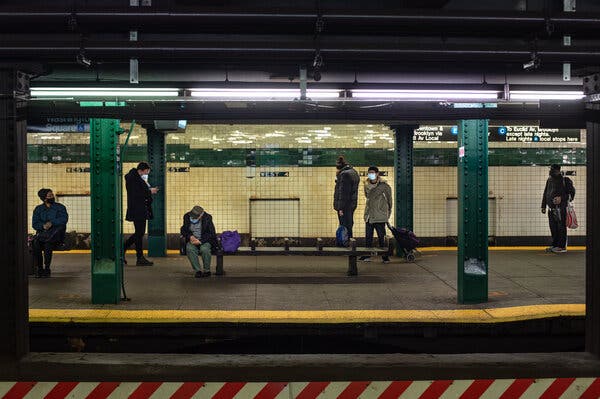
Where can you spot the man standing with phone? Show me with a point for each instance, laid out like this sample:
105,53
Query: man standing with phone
139,208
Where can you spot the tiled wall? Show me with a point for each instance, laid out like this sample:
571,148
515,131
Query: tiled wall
273,162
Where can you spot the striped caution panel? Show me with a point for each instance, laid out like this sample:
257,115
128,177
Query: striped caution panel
548,388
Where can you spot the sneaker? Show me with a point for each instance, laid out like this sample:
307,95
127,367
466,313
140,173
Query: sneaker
385,259
205,274
39,273
558,250
47,272
365,258
549,249
198,275
143,262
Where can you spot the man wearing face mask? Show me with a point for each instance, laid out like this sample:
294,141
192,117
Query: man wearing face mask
201,238
558,192
377,210
345,196
50,223
139,208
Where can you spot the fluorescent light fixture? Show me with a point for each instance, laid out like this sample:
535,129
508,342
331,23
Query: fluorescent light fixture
545,95
59,92
426,95
262,94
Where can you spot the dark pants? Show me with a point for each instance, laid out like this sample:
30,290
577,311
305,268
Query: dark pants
347,220
380,227
140,230
558,228
42,247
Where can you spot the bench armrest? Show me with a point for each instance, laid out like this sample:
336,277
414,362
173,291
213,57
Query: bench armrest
319,244
352,242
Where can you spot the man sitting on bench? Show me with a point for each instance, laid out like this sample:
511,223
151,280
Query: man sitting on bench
200,236
50,223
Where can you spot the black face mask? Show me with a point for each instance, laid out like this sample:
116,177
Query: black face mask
50,200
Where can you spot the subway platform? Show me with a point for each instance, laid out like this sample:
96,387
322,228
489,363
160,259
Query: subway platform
273,304
517,277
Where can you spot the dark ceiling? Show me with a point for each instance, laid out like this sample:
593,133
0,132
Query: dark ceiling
277,37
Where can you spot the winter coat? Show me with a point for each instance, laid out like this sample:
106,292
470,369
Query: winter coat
208,230
379,201
55,214
345,195
558,187
139,197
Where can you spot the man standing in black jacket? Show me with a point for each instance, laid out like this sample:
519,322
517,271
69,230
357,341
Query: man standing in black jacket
558,192
345,197
139,208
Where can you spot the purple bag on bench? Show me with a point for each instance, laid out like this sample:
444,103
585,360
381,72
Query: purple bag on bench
230,241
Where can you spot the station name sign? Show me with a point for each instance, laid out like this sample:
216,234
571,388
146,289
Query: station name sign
512,133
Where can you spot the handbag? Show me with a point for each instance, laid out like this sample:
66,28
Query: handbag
52,235
230,241
571,217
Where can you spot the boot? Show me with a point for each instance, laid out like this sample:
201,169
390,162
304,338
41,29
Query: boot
143,262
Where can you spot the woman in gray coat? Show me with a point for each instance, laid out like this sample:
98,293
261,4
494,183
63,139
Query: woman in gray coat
377,210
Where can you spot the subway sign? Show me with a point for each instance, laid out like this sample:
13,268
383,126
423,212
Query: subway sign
509,133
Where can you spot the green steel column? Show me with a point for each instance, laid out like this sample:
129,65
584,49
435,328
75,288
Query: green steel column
403,168
473,211
157,158
106,211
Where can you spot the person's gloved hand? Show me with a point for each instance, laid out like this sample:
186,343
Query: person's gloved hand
543,210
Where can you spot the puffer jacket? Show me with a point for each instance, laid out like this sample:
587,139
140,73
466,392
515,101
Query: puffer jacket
379,201
345,195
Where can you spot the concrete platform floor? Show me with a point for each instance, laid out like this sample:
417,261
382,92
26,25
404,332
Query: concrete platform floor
319,283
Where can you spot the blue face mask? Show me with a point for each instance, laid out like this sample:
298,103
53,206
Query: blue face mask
372,176
194,221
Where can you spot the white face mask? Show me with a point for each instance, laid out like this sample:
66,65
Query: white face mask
145,177
372,176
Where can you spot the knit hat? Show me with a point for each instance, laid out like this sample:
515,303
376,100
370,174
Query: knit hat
555,166
43,192
196,212
374,169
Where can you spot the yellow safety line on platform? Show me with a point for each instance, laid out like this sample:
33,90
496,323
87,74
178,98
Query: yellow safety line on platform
497,315
423,249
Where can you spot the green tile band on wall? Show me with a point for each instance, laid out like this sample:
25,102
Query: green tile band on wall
239,157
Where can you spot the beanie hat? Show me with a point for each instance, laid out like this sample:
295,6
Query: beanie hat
43,192
196,212
374,169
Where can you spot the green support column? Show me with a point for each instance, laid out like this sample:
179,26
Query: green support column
403,168
157,158
473,211
106,200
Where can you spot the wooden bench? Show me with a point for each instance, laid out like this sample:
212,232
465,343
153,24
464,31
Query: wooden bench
352,252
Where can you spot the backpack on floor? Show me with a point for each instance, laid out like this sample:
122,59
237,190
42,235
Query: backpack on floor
341,236
230,241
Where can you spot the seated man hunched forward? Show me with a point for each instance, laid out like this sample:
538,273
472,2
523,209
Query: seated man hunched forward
201,239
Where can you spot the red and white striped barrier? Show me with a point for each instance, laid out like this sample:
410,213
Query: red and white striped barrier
547,388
